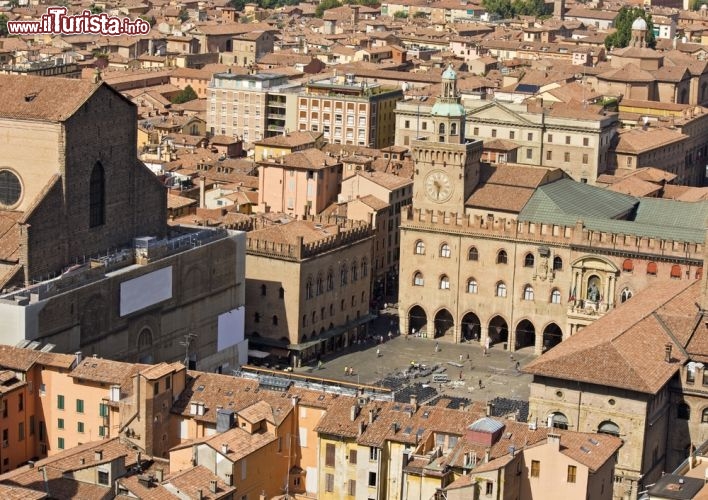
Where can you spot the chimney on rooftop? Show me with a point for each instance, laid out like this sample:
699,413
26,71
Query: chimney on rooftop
414,402
668,348
212,485
490,407
554,439
98,455
79,357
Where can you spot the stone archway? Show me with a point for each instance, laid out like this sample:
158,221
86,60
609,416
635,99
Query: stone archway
552,336
525,335
470,327
417,321
498,330
444,324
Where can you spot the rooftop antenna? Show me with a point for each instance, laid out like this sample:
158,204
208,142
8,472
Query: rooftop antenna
187,342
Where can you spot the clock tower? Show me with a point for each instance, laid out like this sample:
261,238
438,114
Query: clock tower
446,164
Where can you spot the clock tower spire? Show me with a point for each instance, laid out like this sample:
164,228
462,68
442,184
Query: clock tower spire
446,163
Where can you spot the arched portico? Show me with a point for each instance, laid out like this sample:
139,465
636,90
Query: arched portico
552,336
524,335
417,321
444,325
498,330
470,327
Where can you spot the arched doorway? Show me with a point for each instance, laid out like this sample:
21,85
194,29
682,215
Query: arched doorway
498,330
470,327
552,336
525,334
417,320
444,323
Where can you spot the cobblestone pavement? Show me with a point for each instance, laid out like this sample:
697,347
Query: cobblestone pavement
465,364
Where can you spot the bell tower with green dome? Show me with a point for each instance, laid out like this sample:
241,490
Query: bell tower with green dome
446,163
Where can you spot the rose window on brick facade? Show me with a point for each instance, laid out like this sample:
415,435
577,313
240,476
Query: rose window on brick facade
10,188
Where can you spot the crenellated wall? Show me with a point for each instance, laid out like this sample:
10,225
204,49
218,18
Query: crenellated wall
576,235
347,232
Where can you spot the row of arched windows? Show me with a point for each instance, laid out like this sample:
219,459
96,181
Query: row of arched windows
473,287
323,310
473,255
320,284
683,412
560,421
264,291
273,319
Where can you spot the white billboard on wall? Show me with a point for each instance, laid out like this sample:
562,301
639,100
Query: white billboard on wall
231,327
145,291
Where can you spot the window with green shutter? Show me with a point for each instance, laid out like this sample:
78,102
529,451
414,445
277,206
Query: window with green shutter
79,406
60,402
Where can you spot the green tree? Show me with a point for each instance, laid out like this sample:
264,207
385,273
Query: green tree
325,5
419,14
3,25
95,9
149,19
238,4
183,16
507,9
502,8
188,94
623,25
399,14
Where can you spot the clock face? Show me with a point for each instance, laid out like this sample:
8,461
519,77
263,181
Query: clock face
438,186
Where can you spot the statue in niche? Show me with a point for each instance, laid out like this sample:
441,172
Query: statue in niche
542,270
593,293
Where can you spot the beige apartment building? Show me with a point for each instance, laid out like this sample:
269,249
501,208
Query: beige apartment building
349,111
310,283
248,48
301,183
575,139
370,194
251,107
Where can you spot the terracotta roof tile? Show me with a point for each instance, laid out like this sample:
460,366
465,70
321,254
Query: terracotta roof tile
39,98
16,493
240,443
191,481
105,370
637,140
625,348
291,139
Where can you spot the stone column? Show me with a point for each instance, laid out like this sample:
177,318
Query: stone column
402,322
483,335
430,328
613,291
